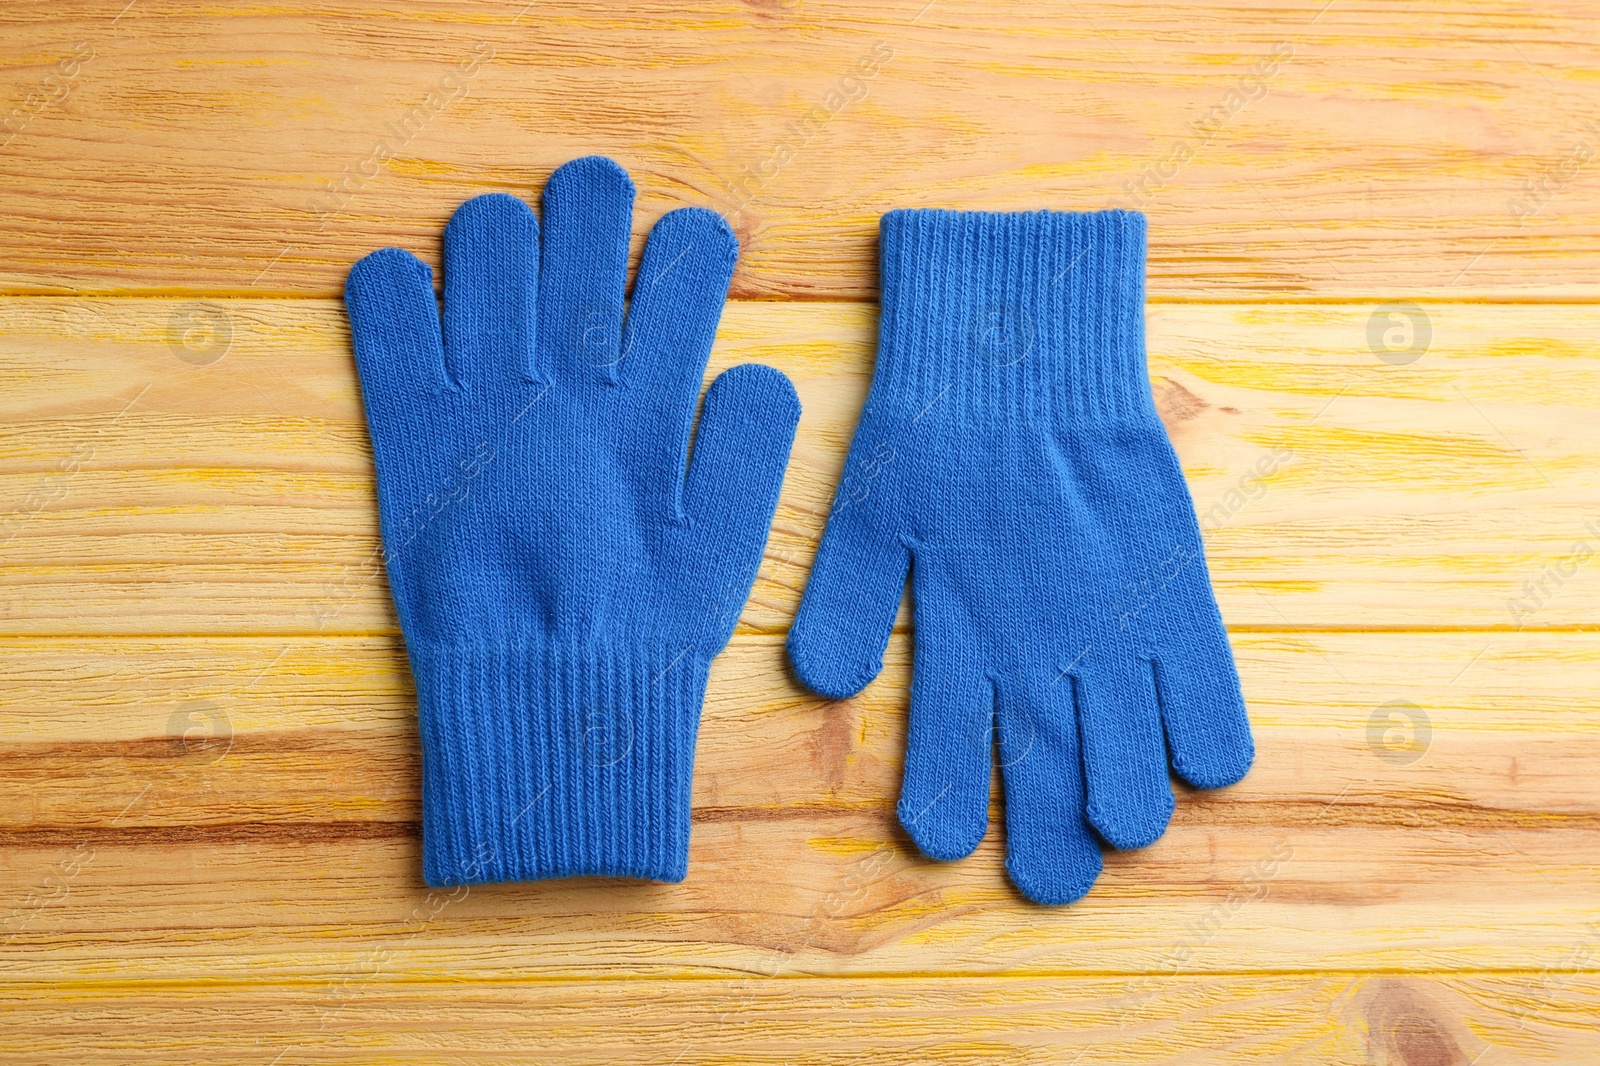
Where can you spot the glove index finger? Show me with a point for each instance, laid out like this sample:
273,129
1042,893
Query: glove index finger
394,328
736,471
842,628
944,799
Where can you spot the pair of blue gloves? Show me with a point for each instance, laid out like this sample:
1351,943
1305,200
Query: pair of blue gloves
565,566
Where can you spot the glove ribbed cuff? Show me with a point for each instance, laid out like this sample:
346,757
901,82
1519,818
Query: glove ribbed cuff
541,761
1031,312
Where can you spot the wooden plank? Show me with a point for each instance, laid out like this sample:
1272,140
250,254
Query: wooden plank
262,730
226,808
1280,146
1333,1020
141,493
247,905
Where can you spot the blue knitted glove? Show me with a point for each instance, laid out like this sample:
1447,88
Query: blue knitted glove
563,570
1010,455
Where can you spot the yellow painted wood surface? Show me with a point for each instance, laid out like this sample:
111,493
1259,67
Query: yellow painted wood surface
208,767
1419,495
1282,146
1335,1019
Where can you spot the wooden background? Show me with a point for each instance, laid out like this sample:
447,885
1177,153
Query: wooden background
1379,261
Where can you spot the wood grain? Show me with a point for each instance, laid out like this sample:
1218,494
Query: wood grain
1408,807
1336,1020
145,495
1381,149
1372,324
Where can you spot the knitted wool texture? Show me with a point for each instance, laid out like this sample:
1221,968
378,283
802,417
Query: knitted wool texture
1010,456
563,569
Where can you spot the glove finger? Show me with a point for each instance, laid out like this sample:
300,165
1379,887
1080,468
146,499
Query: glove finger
944,801
677,300
740,453
678,296
491,289
394,327
1051,852
1202,706
837,640
1124,753
588,216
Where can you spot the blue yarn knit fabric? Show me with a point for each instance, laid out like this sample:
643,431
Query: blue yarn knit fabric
1010,457
563,569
